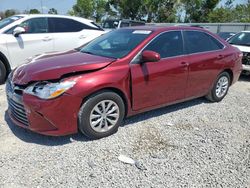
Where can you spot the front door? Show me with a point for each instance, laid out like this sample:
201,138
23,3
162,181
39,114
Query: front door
35,41
157,83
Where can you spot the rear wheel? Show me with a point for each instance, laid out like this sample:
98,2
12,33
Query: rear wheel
2,72
101,115
220,88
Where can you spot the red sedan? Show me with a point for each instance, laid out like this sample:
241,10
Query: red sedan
120,74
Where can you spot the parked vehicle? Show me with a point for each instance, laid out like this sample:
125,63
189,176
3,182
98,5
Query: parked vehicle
119,74
226,35
23,36
242,41
111,24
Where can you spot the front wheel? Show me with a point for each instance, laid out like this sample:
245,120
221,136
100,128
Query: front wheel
101,115
220,88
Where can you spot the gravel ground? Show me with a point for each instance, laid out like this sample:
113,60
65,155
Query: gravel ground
192,144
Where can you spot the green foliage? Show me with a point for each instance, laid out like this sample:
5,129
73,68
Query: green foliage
167,12
158,10
99,9
221,15
52,11
90,9
151,10
198,10
83,8
34,11
228,13
10,12
242,13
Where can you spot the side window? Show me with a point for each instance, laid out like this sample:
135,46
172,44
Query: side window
197,41
10,31
124,24
168,44
61,25
35,25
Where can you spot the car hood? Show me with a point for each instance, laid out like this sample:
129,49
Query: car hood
243,48
55,65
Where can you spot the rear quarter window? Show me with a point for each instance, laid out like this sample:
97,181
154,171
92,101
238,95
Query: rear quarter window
198,41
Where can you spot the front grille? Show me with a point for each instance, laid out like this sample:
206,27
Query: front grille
246,58
15,103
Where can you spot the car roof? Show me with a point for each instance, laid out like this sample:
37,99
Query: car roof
164,28
55,16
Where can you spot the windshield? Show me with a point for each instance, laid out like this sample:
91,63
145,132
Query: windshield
116,44
8,21
242,38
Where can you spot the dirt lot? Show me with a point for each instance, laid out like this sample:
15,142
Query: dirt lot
193,144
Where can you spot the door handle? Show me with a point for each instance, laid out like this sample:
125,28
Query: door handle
185,64
82,37
220,56
47,39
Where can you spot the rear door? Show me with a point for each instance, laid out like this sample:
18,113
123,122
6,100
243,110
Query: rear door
35,41
206,59
157,83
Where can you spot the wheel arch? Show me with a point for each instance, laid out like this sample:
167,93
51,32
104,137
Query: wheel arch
230,72
6,63
115,90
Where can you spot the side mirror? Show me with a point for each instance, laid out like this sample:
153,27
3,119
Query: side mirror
18,30
150,56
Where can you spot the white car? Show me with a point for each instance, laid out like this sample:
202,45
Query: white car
242,41
24,36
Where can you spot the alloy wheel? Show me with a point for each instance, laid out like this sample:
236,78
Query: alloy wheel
104,116
222,86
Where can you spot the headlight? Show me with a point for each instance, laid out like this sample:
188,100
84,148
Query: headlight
48,90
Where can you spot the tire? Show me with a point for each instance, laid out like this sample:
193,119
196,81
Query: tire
93,122
3,73
220,88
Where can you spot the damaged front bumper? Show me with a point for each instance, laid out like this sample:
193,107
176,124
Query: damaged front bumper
49,117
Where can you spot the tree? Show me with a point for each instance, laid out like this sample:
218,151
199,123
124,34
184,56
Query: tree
242,12
99,9
90,9
129,9
71,12
229,13
2,15
83,8
198,10
34,11
151,10
220,15
10,12
167,12
52,11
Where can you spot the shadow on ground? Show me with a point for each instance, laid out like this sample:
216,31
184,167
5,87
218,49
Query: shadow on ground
31,137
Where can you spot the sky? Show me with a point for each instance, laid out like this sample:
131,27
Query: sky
62,6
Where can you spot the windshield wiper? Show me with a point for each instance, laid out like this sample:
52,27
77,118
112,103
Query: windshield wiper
87,52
